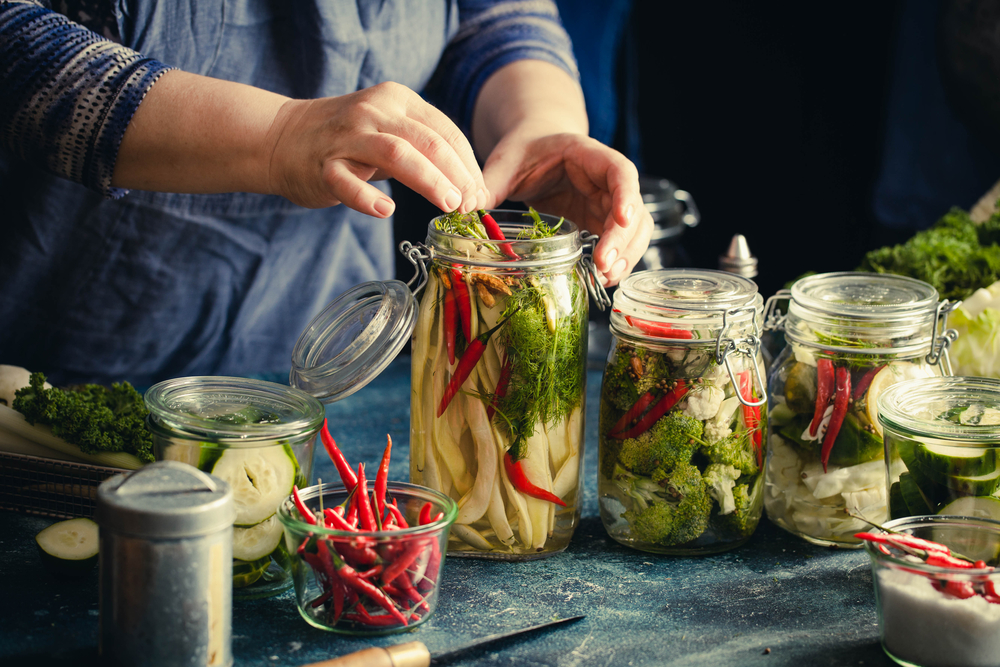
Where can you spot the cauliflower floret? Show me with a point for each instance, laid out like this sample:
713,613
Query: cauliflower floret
720,480
718,427
704,403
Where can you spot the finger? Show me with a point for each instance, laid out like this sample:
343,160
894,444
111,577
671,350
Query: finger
396,157
348,182
499,173
624,245
437,121
445,156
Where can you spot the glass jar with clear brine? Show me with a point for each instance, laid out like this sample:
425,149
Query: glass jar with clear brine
682,414
498,380
258,437
849,336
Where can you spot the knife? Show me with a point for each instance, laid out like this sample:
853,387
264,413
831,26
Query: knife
415,654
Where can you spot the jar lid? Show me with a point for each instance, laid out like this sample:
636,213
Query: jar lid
879,312
961,410
355,337
219,408
165,499
685,300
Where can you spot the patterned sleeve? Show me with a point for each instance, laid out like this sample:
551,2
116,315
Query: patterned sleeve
491,34
67,94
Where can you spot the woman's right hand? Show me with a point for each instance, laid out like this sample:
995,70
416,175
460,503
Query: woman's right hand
326,150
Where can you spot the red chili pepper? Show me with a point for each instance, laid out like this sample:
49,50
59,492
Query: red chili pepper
660,408
904,540
365,517
411,593
496,234
306,513
520,481
335,521
396,513
947,560
424,517
380,620
990,591
352,508
633,413
382,479
864,381
658,329
840,402
431,571
351,578
450,323
462,301
751,414
374,571
824,390
473,353
403,561
962,590
502,385
343,467
358,555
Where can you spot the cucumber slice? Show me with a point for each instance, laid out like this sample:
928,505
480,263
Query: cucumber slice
897,507
950,461
246,573
856,443
980,485
257,541
69,547
982,508
916,502
261,478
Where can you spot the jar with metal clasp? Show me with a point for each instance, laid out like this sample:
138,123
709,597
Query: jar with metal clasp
683,411
848,337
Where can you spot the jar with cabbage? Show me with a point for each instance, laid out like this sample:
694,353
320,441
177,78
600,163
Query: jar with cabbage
849,336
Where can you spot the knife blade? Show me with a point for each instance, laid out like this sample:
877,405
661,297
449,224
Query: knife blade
416,654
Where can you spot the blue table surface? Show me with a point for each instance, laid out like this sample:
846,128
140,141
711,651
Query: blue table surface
774,601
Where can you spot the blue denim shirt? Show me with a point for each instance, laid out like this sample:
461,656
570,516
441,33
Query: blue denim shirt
152,285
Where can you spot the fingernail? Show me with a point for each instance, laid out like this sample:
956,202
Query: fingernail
619,267
469,205
480,198
385,207
610,258
453,200
628,214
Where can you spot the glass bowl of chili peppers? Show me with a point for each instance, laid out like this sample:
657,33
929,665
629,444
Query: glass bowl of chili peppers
937,589
366,562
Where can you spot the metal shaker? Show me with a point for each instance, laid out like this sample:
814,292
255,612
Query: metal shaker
166,540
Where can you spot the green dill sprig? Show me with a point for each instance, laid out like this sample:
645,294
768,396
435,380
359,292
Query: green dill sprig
539,230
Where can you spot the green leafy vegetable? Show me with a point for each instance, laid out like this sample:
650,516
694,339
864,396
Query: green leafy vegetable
977,350
93,417
956,256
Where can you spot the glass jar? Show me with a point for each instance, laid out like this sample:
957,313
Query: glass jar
848,337
942,446
498,385
682,413
258,437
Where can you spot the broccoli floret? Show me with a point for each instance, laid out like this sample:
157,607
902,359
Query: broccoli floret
675,514
671,441
742,521
720,480
93,417
734,450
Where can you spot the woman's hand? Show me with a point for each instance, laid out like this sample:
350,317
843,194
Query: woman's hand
577,177
196,134
326,151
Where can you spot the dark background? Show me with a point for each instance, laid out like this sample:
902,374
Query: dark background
770,114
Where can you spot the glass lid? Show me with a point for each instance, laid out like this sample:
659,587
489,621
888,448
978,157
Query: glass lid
353,339
962,410
219,408
877,296
684,300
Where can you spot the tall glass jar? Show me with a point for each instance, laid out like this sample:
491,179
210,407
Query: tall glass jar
257,436
848,337
498,385
682,413
942,446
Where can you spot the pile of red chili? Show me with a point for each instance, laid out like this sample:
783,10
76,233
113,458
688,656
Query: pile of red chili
938,555
366,580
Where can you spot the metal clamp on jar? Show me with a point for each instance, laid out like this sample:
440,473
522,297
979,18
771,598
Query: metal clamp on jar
849,336
681,425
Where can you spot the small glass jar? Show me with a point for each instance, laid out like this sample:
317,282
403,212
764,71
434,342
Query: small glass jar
848,337
258,437
942,446
682,413
498,385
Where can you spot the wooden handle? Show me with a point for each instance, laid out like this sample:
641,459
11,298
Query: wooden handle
411,654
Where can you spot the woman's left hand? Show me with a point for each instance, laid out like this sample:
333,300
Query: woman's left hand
572,175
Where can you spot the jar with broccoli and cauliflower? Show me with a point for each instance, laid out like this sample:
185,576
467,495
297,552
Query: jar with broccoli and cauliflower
849,337
683,413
